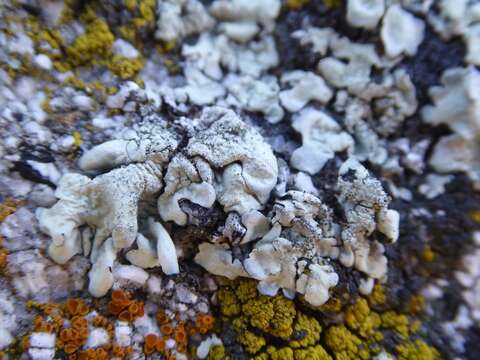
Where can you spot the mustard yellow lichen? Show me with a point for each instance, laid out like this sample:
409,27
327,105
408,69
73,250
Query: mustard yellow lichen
77,138
397,322
271,315
333,305
307,329
252,343
475,215
377,297
125,68
229,304
280,354
262,356
416,304
296,4
417,350
217,353
246,290
259,312
362,321
311,353
262,323
330,4
428,255
345,345
95,43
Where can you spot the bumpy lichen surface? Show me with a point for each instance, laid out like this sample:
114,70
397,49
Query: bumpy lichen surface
282,144
75,323
357,333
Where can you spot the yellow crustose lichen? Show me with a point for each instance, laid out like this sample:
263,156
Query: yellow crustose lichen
356,335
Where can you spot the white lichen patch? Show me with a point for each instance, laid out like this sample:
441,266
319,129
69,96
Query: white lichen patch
365,13
262,96
322,137
295,254
180,18
401,31
225,160
305,87
457,105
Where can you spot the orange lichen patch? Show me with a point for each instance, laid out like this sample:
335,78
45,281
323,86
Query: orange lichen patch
51,309
114,309
100,321
181,334
191,329
8,207
120,352
57,321
124,307
205,323
166,329
93,354
150,342
162,317
76,307
3,256
153,343
125,316
72,338
117,351
120,296
43,326
128,351
66,335
37,322
160,345
70,348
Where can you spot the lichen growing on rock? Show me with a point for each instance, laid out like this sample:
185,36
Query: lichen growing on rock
169,145
359,331
227,161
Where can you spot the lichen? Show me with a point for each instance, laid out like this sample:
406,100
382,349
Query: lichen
125,68
378,296
296,4
280,354
7,207
307,330
345,345
271,315
417,350
95,43
217,353
358,333
251,342
397,322
229,303
316,352
362,321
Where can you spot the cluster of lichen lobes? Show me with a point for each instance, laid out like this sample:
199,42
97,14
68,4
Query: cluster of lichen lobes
278,328
257,318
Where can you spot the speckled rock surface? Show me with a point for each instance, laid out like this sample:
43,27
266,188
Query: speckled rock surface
233,179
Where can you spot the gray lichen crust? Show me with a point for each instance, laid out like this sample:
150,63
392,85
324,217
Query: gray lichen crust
214,158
